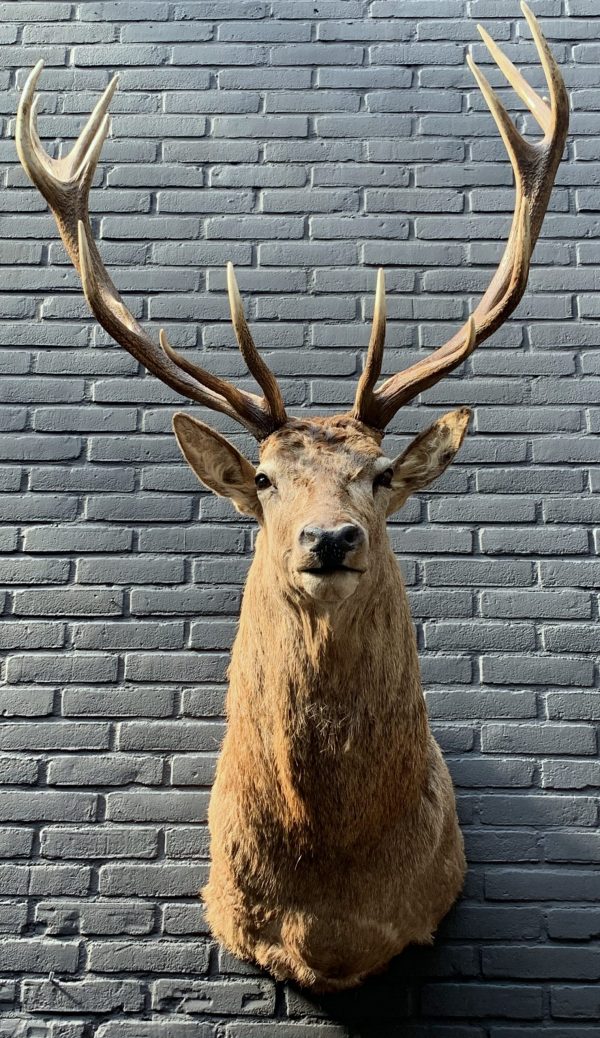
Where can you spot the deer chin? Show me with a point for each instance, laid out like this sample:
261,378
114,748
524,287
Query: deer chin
330,586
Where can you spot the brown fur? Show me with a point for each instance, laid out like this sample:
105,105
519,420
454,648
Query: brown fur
334,835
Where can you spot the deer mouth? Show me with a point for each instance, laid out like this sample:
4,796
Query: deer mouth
325,571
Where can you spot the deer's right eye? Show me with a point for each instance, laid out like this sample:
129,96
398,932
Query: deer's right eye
262,482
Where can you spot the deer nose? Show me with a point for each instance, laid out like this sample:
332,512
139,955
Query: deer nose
331,546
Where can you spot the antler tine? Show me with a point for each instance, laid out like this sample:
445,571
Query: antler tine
34,160
559,100
254,362
534,166
538,108
65,184
91,128
372,368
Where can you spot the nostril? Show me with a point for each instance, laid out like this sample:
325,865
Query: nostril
311,536
349,536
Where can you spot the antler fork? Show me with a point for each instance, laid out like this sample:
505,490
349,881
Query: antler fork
65,184
534,166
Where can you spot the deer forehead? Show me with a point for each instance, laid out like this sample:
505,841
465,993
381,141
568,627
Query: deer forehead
339,447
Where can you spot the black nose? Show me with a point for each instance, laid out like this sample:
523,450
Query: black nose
332,546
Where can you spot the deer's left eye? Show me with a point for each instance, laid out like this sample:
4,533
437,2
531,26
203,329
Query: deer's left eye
262,482
384,479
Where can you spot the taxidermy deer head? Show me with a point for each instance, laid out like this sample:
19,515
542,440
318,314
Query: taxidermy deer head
334,834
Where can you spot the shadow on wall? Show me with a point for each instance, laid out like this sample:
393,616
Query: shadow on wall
392,1004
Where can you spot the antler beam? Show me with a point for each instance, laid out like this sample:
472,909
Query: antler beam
534,166
65,184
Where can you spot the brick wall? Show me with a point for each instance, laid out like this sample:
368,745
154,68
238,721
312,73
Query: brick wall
308,142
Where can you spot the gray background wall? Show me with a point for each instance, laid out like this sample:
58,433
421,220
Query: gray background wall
309,142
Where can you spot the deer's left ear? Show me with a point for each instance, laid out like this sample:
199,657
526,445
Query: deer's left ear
427,456
217,463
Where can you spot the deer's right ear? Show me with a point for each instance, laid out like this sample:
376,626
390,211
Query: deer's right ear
217,463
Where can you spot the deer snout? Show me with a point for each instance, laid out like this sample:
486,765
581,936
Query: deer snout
331,546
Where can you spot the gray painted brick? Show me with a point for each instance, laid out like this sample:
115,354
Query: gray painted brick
186,843
46,805
158,957
25,955
15,843
107,770
168,1028
569,774
553,884
61,668
538,810
165,806
116,702
490,704
573,922
241,997
538,738
538,670
90,996
181,919
537,604
61,917
18,770
67,602
308,142
99,842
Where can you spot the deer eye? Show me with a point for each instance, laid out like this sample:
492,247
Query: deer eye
262,482
384,479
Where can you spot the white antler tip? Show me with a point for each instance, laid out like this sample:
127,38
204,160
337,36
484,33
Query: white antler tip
490,43
35,71
232,286
31,81
111,88
471,61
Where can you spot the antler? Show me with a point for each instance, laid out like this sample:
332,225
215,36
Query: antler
65,184
534,166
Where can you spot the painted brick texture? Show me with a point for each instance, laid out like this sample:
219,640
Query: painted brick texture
309,142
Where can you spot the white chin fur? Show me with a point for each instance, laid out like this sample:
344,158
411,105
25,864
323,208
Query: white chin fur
330,587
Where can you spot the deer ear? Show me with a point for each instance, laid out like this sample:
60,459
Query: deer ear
428,456
217,463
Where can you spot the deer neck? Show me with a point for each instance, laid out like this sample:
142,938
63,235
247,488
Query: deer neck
328,704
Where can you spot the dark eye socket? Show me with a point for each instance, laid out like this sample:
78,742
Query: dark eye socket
262,482
384,479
